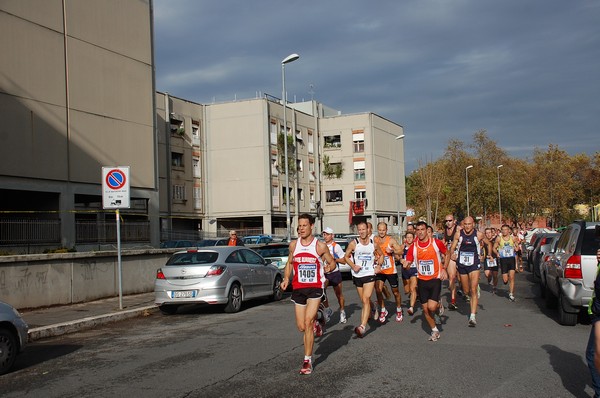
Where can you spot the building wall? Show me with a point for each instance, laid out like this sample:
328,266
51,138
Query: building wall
76,94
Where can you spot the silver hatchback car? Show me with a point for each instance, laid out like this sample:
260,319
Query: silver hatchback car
13,336
225,275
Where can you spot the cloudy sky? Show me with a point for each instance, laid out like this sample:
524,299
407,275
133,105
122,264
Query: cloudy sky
528,72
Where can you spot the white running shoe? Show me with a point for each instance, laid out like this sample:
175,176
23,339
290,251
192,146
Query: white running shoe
435,336
343,316
472,321
511,297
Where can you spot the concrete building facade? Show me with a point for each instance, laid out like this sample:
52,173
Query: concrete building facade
76,94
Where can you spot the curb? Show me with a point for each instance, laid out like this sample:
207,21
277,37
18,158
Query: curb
87,323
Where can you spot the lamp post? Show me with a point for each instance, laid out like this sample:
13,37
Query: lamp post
467,183
286,60
499,201
399,183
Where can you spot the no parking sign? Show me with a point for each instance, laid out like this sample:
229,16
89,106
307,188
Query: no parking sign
115,187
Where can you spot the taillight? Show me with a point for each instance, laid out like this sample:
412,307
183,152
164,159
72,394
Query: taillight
160,275
543,242
216,270
546,258
573,268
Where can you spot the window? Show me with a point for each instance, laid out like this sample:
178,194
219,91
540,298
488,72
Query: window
197,198
311,143
251,257
275,195
333,141
299,136
274,165
176,159
285,195
311,170
273,133
359,170
360,194
299,167
334,196
300,195
179,192
358,141
196,167
313,203
195,129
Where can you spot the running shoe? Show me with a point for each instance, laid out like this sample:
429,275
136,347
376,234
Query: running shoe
318,329
328,314
478,291
342,316
494,290
435,336
472,321
411,311
399,316
360,331
511,297
383,315
306,368
452,306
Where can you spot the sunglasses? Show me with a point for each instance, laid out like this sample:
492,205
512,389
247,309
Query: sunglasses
448,220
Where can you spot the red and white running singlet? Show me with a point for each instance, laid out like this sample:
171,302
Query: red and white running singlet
308,267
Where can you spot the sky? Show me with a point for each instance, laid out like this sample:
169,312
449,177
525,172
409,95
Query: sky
527,72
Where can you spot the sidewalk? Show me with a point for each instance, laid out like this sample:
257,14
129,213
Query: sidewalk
54,321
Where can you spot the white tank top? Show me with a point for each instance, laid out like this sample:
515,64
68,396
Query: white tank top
364,255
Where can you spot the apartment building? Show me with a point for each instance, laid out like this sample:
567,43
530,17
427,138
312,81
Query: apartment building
76,94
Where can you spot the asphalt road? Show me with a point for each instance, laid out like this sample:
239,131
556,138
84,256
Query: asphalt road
517,350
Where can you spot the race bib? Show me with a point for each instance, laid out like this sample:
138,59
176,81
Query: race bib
467,258
307,273
426,267
365,261
387,263
491,263
507,251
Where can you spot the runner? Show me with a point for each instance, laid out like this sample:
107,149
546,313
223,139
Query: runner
334,278
518,240
490,266
505,249
450,229
468,242
308,284
431,271
409,274
361,255
389,247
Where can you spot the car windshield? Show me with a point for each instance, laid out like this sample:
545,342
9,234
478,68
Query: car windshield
193,258
250,240
274,251
591,241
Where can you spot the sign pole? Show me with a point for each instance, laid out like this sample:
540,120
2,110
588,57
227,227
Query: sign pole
120,268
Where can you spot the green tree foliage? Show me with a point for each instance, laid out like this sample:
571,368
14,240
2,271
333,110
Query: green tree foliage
291,154
548,185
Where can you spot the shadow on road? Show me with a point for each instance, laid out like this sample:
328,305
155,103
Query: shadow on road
570,368
38,353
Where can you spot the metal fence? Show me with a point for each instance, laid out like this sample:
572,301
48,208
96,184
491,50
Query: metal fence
106,231
28,231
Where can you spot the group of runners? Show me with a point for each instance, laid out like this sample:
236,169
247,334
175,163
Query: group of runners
423,261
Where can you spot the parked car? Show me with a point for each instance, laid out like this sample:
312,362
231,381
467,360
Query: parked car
13,336
542,246
278,253
544,263
225,275
257,239
344,268
177,243
571,270
213,242
533,239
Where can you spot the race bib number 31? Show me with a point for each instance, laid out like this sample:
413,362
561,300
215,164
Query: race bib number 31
467,258
307,273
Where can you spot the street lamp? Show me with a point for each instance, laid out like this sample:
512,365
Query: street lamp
499,201
399,183
467,181
286,60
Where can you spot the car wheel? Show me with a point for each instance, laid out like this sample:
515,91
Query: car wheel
168,309
8,350
234,299
550,299
277,293
565,318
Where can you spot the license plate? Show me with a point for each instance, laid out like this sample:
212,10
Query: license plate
183,294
